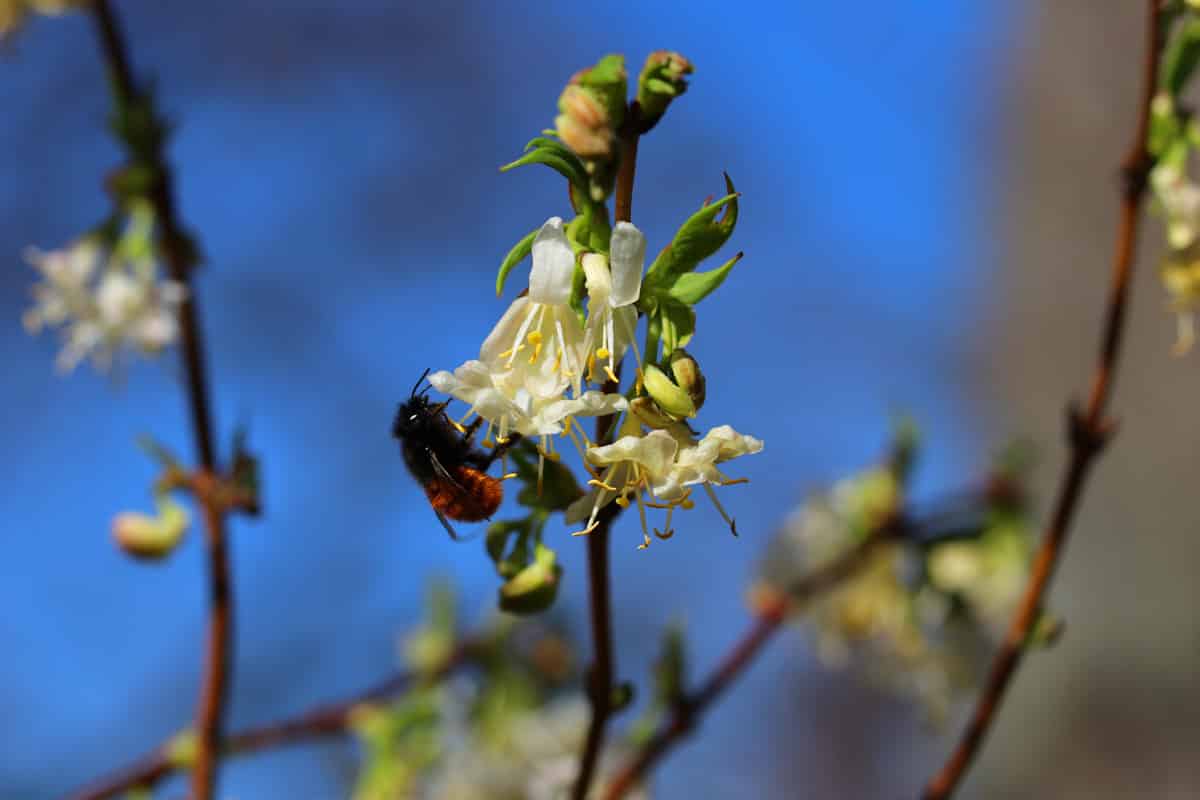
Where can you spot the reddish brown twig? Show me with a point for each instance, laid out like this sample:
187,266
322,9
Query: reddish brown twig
1088,432
179,257
323,720
772,609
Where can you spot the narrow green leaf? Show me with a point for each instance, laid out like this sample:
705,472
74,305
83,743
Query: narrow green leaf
698,238
678,324
515,256
567,165
692,287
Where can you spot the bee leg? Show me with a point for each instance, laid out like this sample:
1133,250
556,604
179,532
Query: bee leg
469,431
499,450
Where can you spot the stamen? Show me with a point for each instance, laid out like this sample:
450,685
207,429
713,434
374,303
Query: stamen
520,337
591,527
601,484
733,481
622,501
457,426
508,476
612,376
642,515
632,334
721,509
601,352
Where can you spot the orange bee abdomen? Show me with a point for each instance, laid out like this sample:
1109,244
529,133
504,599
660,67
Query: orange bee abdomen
476,497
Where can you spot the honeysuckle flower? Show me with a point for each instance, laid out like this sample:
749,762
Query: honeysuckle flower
658,469
614,285
103,300
533,357
1180,274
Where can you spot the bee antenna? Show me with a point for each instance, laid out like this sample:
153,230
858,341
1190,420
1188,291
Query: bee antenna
420,380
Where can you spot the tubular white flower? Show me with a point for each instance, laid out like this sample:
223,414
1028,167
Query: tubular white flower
533,356
657,469
613,284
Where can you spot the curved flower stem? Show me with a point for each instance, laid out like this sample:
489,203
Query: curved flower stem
1088,432
600,676
325,720
179,256
772,610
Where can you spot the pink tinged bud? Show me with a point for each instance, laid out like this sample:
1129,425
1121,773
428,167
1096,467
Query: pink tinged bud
584,142
579,104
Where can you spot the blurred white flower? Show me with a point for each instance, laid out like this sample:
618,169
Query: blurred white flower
104,301
1180,199
538,759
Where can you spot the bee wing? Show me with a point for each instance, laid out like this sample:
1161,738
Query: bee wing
444,474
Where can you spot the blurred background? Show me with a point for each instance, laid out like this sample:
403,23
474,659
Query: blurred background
929,203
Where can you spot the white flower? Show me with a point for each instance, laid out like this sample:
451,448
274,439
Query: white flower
533,356
104,301
614,285
1180,198
657,468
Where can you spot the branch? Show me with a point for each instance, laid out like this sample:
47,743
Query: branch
325,720
1088,432
771,612
179,255
600,676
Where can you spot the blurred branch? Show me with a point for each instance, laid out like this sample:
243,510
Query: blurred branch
772,609
600,676
1088,432
180,256
325,720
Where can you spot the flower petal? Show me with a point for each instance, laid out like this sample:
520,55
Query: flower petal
655,452
553,265
627,249
599,280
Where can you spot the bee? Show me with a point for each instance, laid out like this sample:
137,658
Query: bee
445,461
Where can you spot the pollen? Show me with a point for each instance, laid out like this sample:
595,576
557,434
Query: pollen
623,501
534,338
602,352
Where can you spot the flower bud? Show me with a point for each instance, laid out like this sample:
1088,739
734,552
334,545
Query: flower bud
661,81
670,398
151,537
534,588
650,415
591,109
688,376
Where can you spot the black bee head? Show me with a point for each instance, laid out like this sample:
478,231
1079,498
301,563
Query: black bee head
417,414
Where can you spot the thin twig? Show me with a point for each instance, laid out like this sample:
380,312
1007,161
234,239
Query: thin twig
600,676
1088,432
772,610
328,719
179,257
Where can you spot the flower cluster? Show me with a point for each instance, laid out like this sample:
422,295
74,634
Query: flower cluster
922,609
105,298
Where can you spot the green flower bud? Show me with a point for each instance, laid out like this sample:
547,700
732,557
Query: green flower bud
688,376
661,81
650,415
670,398
534,588
180,749
151,537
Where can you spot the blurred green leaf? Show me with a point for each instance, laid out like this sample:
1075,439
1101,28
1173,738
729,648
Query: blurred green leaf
568,165
698,238
1180,57
692,287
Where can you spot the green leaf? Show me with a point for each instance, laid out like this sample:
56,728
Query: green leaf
509,561
1181,56
697,239
562,161
515,256
692,287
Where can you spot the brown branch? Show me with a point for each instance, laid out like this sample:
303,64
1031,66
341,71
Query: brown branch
1088,432
179,255
325,720
600,676
772,610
